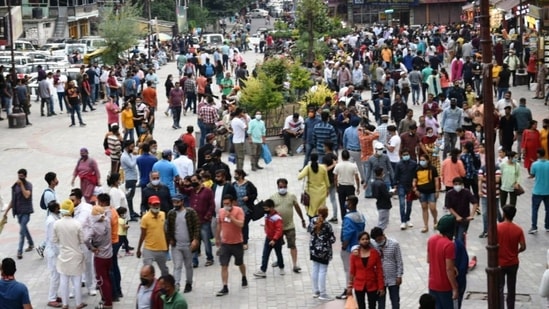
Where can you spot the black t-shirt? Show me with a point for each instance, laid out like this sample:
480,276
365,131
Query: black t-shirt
328,160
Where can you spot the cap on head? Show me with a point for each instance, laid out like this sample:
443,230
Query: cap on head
446,224
153,200
177,197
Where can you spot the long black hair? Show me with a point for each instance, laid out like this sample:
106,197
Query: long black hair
314,162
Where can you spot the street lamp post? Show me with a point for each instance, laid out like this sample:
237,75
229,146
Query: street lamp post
17,118
149,31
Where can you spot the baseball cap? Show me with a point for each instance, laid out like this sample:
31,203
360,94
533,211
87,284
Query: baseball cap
178,197
153,200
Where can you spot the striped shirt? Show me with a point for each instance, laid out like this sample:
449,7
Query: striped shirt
391,258
323,131
483,187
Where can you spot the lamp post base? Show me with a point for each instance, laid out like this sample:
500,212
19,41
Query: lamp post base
17,120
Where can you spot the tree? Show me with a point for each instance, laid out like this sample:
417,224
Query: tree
261,94
312,18
119,27
199,16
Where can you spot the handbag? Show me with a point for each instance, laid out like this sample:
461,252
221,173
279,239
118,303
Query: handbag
411,196
257,211
351,303
519,190
305,197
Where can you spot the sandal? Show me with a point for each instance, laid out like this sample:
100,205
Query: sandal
424,230
54,304
82,305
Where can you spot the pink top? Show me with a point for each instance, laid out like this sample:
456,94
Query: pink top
450,170
112,112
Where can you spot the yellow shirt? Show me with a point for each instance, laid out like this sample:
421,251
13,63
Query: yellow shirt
122,229
155,237
208,183
495,70
543,135
126,118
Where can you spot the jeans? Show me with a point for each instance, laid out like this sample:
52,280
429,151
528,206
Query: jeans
484,207
102,269
267,248
61,99
205,235
343,191
160,257
7,104
361,299
201,126
461,229
536,202
519,143
394,295
128,134
182,255
443,300
176,115
115,271
130,192
345,255
511,273
383,218
502,91
76,109
308,150
450,140
86,102
318,278
415,93
23,220
48,104
93,94
240,151
478,84
405,206
191,101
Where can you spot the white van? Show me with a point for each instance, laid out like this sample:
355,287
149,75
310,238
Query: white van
18,60
24,46
93,42
209,42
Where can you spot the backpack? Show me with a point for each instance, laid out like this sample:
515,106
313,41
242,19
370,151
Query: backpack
209,71
42,201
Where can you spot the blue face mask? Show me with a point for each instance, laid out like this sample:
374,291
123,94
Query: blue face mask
515,160
406,157
423,163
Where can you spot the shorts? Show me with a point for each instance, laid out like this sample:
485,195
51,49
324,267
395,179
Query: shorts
290,238
427,197
228,250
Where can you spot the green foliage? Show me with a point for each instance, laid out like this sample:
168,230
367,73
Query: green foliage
120,30
300,77
277,69
280,25
163,10
311,18
261,94
315,98
301,47
199,15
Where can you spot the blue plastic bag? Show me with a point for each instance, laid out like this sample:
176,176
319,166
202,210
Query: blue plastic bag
266,154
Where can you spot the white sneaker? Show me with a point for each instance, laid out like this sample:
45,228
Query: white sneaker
325,297
92,292
260,274
403,226
409,224
281,272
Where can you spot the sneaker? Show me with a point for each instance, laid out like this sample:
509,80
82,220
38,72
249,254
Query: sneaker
297,269
260,274
342,295
224,291
274,264
403,226
29,249
244,282
409,224
333,220
532,231
92,292
40,251
188,288
282,273
316,294
129,253
325,297
483,235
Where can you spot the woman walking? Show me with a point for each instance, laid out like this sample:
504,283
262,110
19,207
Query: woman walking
317,185
451,168
530,144
510,177
471,163
366,273
320,248
246,193
88,172
426,185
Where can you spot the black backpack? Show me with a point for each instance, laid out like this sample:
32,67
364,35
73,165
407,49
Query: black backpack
42,202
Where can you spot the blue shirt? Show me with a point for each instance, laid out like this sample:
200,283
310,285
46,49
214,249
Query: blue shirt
145,164
322,132
540,170
13,294
257,130
310,124
129,165
350,139
168,171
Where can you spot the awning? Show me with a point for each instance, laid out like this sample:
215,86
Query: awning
84,16
468,6
507,5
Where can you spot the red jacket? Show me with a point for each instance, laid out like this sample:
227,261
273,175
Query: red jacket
273,226
369,278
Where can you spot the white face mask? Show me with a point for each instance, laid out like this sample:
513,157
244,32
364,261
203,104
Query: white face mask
379,152
429,134
458,188
214,143
258,117
282,191
155,210
155,182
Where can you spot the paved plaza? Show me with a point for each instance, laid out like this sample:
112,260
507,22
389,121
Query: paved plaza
50,145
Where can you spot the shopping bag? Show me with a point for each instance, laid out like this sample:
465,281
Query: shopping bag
266,154
350,303
3,222
232,158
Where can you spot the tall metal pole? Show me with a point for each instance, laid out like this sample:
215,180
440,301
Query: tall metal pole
13,75
149,31
492,269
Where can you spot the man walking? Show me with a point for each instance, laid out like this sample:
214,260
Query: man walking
229,240
153,236
511,243
523,116
405,171
353,224
285,203
540,191
393,268
451,120
21,203
457,201
239,126
346,176
183,234
256,131
322,132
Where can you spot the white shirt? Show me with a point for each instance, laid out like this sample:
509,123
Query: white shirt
184,166
239,130
104,76
394,141
61,83
82,213
118,198
291,125
346,171
501,104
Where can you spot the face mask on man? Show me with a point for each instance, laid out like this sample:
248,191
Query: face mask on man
458,188
155,182
282,191
258,117
379,152
155,210
406,157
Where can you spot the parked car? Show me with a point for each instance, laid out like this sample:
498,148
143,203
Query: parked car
209,42
257,13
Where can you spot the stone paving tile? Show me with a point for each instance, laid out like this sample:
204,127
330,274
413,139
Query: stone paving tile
50,145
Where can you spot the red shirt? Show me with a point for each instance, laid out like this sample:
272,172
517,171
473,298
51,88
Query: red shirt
439,249
189,139
509,237
231,234
149,96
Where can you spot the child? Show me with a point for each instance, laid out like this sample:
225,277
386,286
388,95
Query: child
123,227
273,238
383,198
206,179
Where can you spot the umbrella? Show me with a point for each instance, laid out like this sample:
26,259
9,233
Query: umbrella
3,222
163,37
